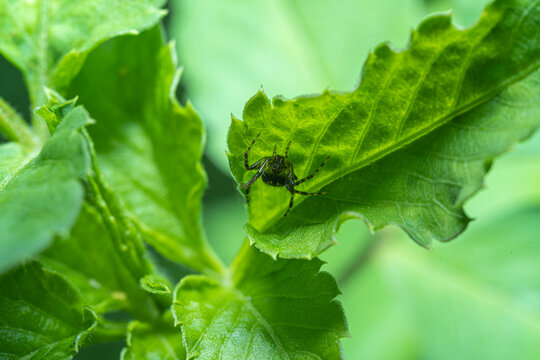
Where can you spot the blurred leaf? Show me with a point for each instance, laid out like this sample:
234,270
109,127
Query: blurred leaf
465,12
224,218
37,37
231,48
476,298
14,156
409,146
148,146
282,309
146,343
43,198
41,315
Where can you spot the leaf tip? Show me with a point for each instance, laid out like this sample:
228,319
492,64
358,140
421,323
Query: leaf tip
435,23
175,81
257,104
384,50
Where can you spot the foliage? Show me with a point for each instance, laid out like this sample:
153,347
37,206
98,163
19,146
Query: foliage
100,198
42,315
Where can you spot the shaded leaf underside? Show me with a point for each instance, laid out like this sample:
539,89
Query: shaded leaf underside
392,159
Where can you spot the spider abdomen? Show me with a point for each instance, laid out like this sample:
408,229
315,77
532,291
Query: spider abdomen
273,179
276,170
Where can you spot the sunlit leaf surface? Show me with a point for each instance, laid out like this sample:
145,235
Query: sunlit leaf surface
409,145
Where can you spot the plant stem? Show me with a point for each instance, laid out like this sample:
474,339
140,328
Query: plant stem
361,259
13,126
108,331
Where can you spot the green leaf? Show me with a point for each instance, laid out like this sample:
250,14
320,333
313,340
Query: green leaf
407,147
155,284
14,156
43,198
55,36
476,298
41,315
499,250
282,309
148,146
145,342
100,271
109,275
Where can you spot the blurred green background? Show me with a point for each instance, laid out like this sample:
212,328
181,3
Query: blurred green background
477,297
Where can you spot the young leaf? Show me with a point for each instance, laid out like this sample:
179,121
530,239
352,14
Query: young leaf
148,146
282,309
408,146
41,315
42,199
145,342
37,38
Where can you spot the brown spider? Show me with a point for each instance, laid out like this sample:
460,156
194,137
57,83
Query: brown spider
277,170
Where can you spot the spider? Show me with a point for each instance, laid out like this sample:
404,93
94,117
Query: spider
277,170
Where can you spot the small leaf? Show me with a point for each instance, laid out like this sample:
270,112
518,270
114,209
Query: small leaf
155,284
43,198
282,309
408,146
148,146
41,315
145,342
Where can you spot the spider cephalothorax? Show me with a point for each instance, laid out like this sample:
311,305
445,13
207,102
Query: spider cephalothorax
277,170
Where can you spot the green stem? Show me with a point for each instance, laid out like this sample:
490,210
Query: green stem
109,331
13,126
36,81
361,259
121,225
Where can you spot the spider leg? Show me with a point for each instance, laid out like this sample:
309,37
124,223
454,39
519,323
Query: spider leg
307,193
257,165
287,150
257,174
247,195
291,202
313,174
246,163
